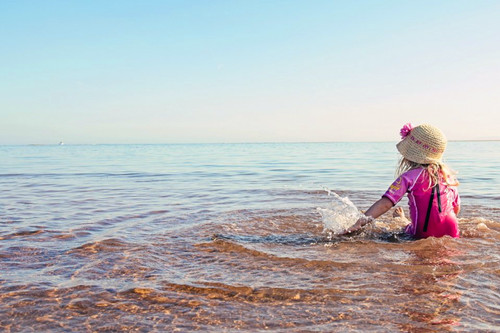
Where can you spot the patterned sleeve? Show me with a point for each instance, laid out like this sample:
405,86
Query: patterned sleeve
398,188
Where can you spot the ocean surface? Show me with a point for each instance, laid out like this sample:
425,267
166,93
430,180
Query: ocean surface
237,237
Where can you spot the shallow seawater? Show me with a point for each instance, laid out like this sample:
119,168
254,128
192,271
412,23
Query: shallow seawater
229,237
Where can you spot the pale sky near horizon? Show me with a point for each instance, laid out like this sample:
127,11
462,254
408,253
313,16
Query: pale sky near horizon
246,71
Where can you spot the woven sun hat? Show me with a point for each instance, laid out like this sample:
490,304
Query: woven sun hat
423,144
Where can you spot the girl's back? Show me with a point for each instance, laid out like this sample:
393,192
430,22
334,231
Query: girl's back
431,208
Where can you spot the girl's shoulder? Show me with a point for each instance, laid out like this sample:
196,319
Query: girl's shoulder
413,173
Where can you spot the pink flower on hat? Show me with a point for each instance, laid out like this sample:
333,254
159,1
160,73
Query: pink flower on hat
405,130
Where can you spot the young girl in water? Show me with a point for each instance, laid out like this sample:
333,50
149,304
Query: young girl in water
433,197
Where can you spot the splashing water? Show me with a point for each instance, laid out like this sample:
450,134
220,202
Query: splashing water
340,215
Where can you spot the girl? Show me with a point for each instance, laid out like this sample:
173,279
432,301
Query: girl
433,197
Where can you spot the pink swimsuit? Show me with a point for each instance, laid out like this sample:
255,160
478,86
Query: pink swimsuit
431,209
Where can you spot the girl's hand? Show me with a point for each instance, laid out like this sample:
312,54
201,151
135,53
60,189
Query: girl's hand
358,225
377,209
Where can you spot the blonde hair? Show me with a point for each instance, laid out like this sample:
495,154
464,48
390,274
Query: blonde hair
436,171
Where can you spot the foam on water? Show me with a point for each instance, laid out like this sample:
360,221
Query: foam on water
340,214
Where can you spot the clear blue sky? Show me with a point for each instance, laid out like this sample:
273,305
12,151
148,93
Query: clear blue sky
244,71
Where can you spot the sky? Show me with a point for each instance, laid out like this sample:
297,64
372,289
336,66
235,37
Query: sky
186,71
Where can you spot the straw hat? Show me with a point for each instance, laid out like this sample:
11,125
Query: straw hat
423,144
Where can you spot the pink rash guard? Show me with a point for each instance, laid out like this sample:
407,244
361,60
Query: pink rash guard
441,221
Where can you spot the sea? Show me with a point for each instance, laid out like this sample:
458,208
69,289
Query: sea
238,238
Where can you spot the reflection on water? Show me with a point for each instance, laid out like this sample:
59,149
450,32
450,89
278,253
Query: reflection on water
260,270
182,249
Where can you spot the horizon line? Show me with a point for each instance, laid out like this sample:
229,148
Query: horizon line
222,142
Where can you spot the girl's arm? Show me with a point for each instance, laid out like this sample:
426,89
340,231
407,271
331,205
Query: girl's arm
377,209
380,207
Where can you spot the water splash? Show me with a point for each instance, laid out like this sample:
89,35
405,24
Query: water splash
340,215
